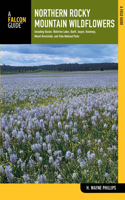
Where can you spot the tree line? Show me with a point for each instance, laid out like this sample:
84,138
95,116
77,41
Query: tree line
62,67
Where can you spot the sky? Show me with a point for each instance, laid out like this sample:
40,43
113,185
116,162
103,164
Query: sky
35,55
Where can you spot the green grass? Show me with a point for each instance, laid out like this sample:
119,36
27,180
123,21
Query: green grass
50,72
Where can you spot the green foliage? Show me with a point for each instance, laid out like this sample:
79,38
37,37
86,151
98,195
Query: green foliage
92,173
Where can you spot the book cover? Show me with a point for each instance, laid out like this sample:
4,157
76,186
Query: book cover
62,102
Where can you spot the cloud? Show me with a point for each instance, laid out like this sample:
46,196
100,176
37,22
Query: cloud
30,55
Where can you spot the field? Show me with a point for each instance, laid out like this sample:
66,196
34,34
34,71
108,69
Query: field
59,128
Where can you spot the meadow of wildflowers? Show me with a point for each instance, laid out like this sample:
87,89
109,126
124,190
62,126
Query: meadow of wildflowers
59,128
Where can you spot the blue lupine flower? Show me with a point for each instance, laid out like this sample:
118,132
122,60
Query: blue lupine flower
8,173
59,178
74,176
1,151
66,137
74,130
14,133
31,162
7,138
82,164
113,127
75,124
1,169
99,163
106,175
37,154
79,151
39,160
23,165
51,159
72,156
54,134
104,154
25,177
13,158
37,135
66,127
99,141
92,155
83,141
68,155
48,138
36,147
30,137
42,178
44,146
59,125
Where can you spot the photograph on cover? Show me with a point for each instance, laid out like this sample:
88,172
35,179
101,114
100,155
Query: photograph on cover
59,113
